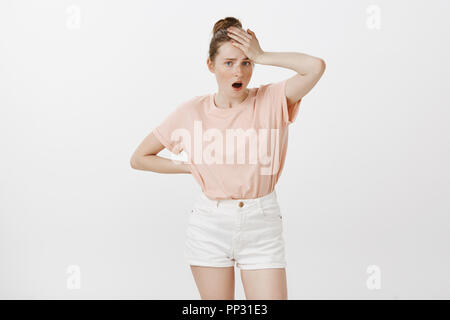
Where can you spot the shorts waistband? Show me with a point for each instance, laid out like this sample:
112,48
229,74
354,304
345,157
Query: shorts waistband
232,203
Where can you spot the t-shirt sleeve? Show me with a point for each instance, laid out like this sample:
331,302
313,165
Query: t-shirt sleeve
166,130
277,94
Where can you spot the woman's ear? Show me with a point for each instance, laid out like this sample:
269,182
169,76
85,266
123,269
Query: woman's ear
210,65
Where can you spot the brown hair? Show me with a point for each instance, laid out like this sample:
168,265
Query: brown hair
220,34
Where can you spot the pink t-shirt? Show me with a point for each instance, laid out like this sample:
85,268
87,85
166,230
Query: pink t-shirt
234,153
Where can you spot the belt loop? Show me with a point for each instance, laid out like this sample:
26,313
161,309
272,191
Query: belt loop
258,201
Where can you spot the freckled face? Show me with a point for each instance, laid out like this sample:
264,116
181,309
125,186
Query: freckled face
228,70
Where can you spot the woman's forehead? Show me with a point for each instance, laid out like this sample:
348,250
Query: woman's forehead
230,52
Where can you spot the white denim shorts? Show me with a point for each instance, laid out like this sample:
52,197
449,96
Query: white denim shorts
245,232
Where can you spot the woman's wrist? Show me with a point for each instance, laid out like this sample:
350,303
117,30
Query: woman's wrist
260,58
187,167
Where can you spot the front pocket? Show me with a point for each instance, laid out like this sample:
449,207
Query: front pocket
271,212
201,211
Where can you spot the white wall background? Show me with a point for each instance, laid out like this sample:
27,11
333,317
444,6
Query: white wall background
366,180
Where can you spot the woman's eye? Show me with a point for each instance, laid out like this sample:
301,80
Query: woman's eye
247,63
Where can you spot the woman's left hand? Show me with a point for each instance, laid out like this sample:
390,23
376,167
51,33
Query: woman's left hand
246,41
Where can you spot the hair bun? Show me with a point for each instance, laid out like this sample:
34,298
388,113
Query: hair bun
223,24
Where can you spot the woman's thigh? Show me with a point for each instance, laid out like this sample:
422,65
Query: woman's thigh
214,283
265,284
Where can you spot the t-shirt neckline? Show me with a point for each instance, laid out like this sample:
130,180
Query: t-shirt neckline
216,110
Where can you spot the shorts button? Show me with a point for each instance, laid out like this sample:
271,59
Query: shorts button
241,204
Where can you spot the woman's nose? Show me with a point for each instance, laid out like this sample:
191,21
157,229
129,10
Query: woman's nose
238,71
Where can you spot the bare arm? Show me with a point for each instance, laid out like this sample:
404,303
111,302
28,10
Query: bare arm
309,70
145,158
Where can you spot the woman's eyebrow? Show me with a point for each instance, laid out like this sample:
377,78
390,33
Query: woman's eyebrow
246,58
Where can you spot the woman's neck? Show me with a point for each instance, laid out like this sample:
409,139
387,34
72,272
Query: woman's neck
228,103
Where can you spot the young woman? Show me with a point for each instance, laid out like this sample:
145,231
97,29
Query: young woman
236,143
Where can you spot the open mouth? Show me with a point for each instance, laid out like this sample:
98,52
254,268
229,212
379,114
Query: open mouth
237,85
